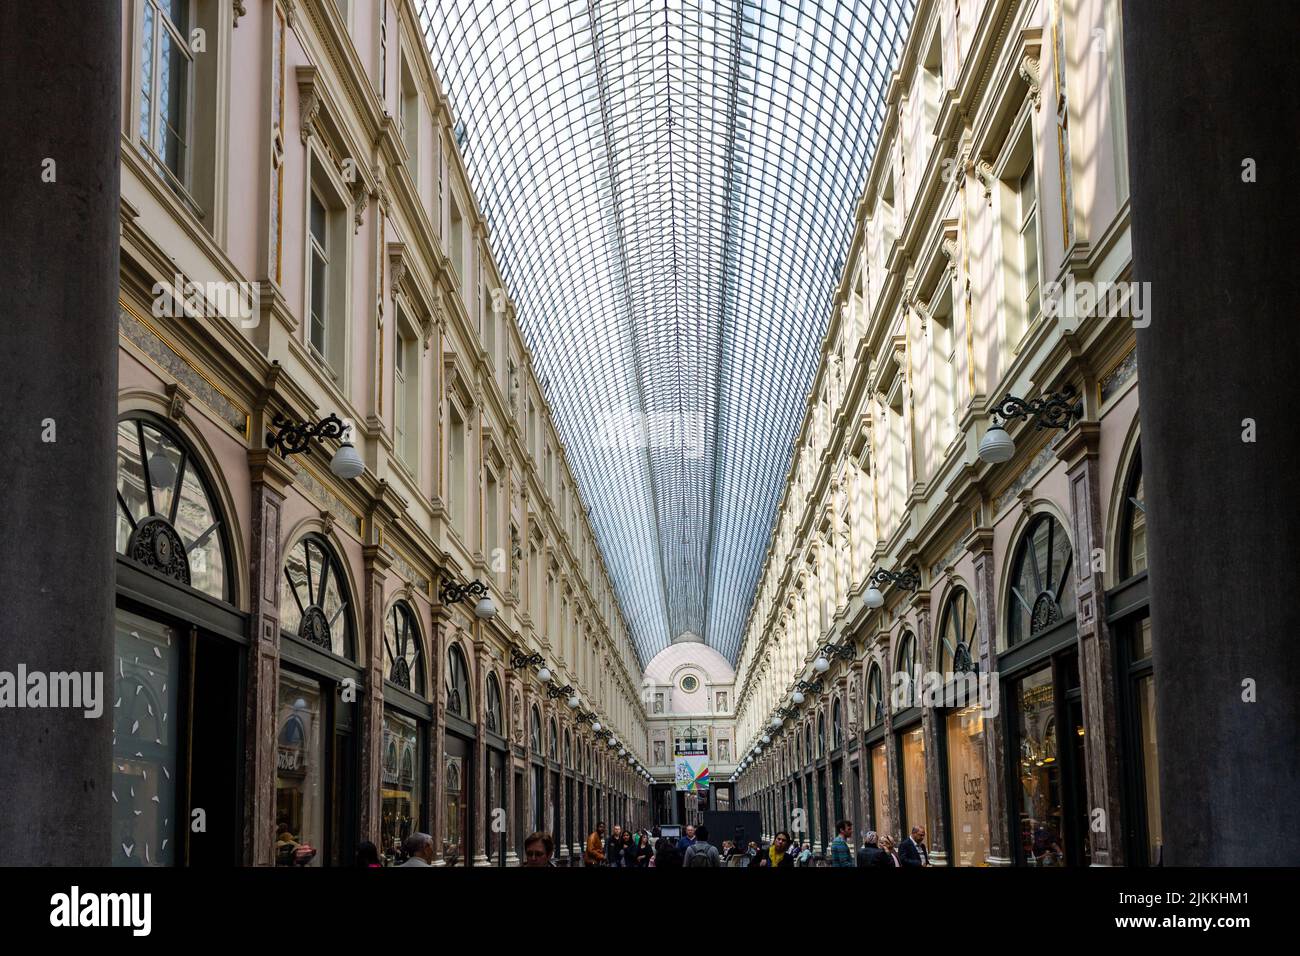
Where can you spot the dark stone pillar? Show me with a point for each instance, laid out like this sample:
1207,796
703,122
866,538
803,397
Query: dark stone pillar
271,477
61,77
483,806
931,727
372,699
1203,98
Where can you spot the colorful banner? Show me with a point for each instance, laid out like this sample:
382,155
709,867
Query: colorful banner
692,772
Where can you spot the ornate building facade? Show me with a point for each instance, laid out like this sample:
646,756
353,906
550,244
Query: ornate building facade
995,685
294,671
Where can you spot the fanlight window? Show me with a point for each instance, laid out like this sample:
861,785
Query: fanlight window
1042,581
907,663
958,643
875,696
535,732
1134,537
167,519
837,726
458,697
403,655
313,597
493,718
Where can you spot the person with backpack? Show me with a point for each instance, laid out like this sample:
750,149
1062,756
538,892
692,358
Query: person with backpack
702,852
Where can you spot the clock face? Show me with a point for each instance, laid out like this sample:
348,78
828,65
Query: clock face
689,684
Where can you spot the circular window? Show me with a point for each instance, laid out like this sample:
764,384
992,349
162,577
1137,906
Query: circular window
689,684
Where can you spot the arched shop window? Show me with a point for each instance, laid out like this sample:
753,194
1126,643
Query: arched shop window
313,598
875,697
317,726
807,734
458,696
493,716
1133,540
821,735
406,727
167,520
837,726
907,662
535,732
403,654
553,744
568,752
958,646
1042,581
177,657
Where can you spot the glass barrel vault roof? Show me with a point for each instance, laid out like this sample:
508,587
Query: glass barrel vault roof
671,187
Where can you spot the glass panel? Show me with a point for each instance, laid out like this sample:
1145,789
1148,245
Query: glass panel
293,589
879,787
146,73
914,784
335,613
299,765
146,749
1137,530
454,809
403,659
1038,797
130,481
402,774
1140,641
966,790
197,524
1146,698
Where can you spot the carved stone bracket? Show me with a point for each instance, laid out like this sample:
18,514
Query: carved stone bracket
983,171
1029,73
178,396
309,101
239,10
360,200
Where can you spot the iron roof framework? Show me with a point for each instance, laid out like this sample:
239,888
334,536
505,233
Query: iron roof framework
671,186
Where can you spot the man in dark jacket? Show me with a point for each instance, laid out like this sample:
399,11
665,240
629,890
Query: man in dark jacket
870,854
912,851
614,847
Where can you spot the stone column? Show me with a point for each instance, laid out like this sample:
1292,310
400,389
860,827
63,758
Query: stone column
62,81
271,477
1078,450
1220,440
980,544
370,756
931,728
512,734
438,640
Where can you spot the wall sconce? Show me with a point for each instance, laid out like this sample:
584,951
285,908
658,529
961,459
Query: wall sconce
555,693
294,437
909,579
519,659
804,687
453,593
1054,410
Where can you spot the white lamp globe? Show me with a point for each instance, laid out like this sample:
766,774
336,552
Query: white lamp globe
767,739
775,722
485,610
574,702
595,726
873,597
346,463
545,675
821,665
996,446
797,697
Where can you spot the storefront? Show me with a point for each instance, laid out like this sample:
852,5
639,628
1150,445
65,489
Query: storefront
962,727
407,719
1043,702
178,741
837,761
913,806
553,763
458,762
875,742
316,711
536,773
495,837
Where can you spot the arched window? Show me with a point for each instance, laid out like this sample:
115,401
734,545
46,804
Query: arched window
907,663
807,739
958,645
1042,581
553,744
875,697
837,725
568,752
314,598
167,518
403,653
458,695
821,735
493,718
535,732
1133,532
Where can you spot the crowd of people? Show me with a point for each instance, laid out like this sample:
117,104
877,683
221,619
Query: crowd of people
628,848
